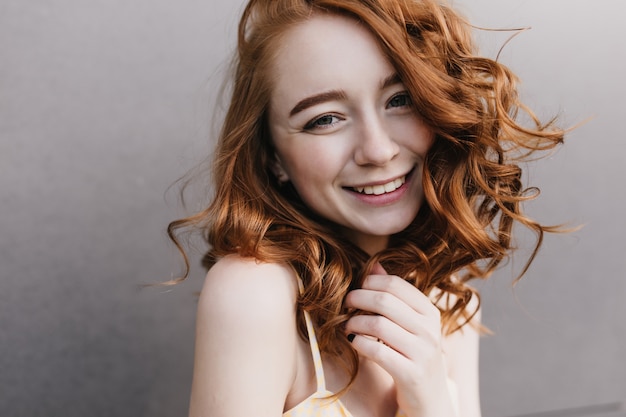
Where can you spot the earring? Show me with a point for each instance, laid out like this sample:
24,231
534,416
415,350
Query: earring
279,173
282,177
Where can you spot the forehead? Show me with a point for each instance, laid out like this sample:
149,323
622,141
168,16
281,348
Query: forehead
327,52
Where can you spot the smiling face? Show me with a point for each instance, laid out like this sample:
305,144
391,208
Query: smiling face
345,131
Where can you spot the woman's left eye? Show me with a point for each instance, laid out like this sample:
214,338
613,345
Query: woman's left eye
325,121
400,100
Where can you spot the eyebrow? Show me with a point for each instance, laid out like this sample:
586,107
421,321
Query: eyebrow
317,99
393,79
336,95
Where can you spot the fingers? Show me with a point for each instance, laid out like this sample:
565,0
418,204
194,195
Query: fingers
404,364
402,335
400,302
387,305
384,355
409,358
402,317
407,342
377,328
380,280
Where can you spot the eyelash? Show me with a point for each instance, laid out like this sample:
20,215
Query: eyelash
403,94
313,124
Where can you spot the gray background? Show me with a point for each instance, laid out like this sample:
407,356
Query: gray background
103,104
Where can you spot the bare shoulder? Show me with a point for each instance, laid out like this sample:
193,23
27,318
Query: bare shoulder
246,339
235,281
245,296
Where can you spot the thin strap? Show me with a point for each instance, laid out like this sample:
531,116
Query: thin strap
315,350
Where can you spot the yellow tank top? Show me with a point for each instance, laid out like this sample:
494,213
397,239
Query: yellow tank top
320,403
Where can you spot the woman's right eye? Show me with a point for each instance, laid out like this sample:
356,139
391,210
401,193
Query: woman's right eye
400,100
322,122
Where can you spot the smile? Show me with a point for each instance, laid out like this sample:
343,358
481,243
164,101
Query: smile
383,188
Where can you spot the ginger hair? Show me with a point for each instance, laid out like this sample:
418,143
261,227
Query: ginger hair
472,177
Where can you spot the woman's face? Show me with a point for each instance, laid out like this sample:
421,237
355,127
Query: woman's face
344,130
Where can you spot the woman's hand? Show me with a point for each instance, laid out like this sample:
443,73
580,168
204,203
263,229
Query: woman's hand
403,336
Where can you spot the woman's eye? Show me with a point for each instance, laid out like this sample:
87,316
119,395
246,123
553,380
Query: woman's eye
327,120
400,100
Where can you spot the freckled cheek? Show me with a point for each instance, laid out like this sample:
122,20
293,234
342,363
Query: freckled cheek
413,133
314,165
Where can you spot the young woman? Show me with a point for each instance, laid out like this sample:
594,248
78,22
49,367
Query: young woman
364,174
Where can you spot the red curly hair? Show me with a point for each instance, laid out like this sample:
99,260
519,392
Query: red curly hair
471,178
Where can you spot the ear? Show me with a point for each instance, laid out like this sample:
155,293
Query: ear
277,169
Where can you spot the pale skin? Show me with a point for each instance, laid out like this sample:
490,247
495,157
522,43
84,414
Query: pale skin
250,359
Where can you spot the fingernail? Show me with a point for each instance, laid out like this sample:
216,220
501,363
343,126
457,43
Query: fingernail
351,337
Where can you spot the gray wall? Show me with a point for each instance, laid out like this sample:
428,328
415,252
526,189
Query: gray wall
103,104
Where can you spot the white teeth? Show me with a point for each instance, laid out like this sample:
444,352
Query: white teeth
390,187
382,189
379,189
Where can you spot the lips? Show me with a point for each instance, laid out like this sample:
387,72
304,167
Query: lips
381,188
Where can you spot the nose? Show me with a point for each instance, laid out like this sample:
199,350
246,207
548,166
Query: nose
374,143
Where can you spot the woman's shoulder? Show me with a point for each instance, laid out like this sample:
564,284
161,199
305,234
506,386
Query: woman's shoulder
247,284
236,267
246,338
